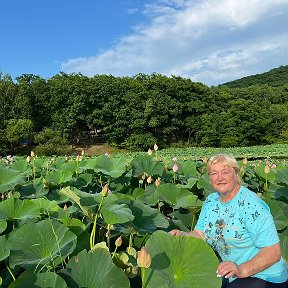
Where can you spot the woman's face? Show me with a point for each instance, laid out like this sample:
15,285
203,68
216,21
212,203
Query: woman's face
223,178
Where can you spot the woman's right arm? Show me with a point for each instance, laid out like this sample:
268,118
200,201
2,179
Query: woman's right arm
195,233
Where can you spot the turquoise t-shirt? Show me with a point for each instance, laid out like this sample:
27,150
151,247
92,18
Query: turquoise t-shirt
237,230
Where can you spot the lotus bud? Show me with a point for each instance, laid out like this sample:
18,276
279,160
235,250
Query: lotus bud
175,168
157,182
104,191
65,207
118,241
149,152
155,147
149,179
144,176
267,169
273,165
245,161
82,153
144,258
28,159
32,154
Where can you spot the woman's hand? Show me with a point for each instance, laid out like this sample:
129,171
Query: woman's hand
228,269
176,232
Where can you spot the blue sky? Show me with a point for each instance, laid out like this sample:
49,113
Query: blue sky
206,40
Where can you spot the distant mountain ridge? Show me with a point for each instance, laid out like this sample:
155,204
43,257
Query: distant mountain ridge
275,77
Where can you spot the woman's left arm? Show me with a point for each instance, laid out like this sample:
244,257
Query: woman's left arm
266,257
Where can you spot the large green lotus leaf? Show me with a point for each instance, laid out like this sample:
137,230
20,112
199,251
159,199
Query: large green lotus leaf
75,225
4,251
282,176
3,226
95,270
188,201
114,167
33,189
46,206
146,219
279,211
73,195
179,261
16,209
22,166
181,221
116,213
204,183
59,176
71,166
259,170
145,164
188,168
190,183
150,196
170,193
30,279
277,191
83,180
45,243
9,178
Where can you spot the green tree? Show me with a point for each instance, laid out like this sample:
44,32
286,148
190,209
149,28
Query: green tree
18,130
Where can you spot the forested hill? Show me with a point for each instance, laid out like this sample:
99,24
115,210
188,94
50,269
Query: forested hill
275,77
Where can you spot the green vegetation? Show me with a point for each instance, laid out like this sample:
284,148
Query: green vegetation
82,221
276,77
136,112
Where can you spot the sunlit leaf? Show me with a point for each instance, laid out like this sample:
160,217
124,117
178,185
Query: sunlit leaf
181,261
49,244
9,179
16,209
145,164
94,270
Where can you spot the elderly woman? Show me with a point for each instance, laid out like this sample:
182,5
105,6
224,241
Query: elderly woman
238,225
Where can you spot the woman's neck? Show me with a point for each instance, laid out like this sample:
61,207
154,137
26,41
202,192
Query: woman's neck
228,196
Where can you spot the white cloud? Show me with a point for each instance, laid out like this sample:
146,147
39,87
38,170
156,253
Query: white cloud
208,41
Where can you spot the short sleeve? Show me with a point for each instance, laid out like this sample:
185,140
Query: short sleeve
260,224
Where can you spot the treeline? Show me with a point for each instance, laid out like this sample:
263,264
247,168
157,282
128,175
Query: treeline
136,112
275,77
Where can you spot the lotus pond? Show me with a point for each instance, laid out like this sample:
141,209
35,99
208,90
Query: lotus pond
81,221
